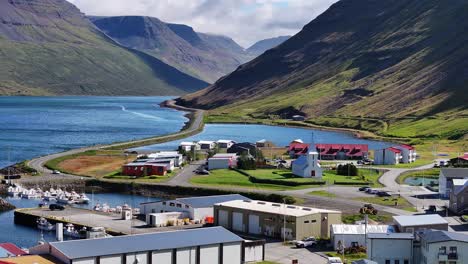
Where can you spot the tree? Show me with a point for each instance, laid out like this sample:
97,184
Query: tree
246,162
347,170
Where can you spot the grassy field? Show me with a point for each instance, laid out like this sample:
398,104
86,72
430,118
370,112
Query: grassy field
381,218
429,173
403,204
348,257
322,193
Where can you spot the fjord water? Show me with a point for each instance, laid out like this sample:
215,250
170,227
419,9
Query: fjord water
35,126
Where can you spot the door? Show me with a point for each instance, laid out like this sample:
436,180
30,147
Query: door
223,219
237,222
254,224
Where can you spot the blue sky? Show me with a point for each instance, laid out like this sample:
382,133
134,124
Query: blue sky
246,21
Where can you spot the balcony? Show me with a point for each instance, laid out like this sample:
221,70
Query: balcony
452,256
443,257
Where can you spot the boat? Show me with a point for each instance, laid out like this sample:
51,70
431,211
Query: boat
43,224
63,199
30,194
70,231
82,199
15,191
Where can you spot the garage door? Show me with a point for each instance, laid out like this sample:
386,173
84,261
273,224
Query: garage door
254,224
223,218
237,222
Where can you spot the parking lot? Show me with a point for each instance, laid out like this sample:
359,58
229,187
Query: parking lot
285,254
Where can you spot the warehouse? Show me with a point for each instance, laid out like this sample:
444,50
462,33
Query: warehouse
200,246
269,219
413,223
355,235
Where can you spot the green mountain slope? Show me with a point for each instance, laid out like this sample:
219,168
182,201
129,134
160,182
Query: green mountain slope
399,67
47,47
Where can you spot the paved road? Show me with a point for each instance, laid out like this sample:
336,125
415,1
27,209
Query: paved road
279,253
183,177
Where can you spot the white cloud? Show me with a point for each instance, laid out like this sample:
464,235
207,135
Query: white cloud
246,21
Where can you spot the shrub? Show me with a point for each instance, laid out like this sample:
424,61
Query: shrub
347,170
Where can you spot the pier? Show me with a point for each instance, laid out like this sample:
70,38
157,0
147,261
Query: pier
113,223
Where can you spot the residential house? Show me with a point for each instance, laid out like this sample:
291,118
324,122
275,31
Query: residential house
387,156
164,155
189,146
459,196
307,166
460,161
264,144
408,153
222,161
210,245
446,177
224,143
141,169
243,148
274,219
354,235
442,247
298,118
342,151
207,145
390,248
415,223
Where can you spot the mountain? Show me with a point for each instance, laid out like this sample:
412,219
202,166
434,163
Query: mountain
401,65
263,45
203,56
48,47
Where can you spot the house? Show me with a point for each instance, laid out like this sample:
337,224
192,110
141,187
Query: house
297,148
210,245
387,156
446,177
243,148
390,248
264,144
436,246
224,143
342,151
459,196
169,163
408,153
194,208
414,223
354,235
298,118
461,161
164,155
207,145
222,161
189,146
269,219
10,250
141,169
307,166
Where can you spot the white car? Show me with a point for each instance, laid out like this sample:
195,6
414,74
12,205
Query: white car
308,242
334,260
56,172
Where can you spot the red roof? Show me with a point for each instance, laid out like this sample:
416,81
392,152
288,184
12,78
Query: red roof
392,149
349,149
4,262
298,146
407,147
13,249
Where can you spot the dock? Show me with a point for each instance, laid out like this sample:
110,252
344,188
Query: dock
113,223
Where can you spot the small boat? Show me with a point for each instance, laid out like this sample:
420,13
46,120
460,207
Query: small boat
70,231
14,191
43,224
30,194
82,199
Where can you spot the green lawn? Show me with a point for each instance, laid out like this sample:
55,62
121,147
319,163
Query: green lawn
148,179
429,173
417,163
380,218
282,175
348,257
389,201
322,193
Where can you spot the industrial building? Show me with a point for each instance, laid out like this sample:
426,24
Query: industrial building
414,223
201,246
354,235
390,248
269,219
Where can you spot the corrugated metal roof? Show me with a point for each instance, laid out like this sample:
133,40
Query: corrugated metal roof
361,229
209,201
419,220
454,172
77,249
390,236
434,236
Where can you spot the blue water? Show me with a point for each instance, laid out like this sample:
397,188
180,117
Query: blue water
24,236
416,181
34,126
281,136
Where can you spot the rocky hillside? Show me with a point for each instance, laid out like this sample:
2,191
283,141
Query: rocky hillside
48,47
263,45
204,56
400,63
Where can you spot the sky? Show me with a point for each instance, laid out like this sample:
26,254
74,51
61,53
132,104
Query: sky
246,21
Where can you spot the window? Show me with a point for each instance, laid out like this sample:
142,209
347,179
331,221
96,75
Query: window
405,261
314,221
163,203
453,250
443,250
396,261
172,204
179,205
306,222
186,206
387,261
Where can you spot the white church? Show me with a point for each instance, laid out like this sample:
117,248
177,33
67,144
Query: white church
307,166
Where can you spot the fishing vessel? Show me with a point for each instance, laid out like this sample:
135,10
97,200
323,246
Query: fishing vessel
43,224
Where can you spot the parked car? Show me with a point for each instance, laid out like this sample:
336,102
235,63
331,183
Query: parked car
383,194
432,209
371,191
56,172
54,207
308,242
202,172
334,260
364,188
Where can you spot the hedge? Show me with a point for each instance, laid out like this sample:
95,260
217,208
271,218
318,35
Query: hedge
278,182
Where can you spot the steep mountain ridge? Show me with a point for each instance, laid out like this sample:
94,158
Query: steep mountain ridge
393,60
50,47
261,46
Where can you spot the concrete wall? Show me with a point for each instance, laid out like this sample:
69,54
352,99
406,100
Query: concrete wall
186,255
84,261
380,250
219,163
412,229
348,239
430,251
232,253
113,259
254,253
162,256
209,254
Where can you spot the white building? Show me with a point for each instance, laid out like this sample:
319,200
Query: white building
178,158
207,145
188,146
387,156
385,248
442,247
414,223
354,235
203,245
225,143
195,208
446,177
408,153
222,161
307,166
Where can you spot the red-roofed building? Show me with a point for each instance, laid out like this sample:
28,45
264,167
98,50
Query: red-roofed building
297,149
387,156
342,151
461,161
408,153
12,250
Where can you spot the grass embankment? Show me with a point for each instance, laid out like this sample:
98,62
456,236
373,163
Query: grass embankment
382,218
348,257
401,203
429,173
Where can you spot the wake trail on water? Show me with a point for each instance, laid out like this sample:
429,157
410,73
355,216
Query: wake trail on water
141,114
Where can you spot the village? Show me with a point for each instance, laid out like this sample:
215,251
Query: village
233,228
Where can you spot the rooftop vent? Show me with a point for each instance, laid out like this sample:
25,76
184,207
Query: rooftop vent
277,205
261,202
306,209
